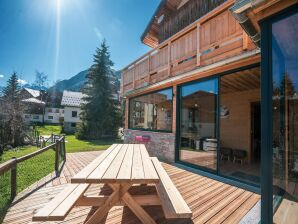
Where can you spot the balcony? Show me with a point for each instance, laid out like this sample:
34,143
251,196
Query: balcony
212,38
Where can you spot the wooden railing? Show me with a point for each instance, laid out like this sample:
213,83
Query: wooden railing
12,164
212,38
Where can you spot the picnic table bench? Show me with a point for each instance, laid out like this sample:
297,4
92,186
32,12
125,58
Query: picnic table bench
121,167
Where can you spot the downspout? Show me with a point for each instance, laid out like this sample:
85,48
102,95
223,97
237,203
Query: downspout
239,11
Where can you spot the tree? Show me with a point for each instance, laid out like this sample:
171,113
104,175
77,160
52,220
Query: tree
41,81
11,113
100,111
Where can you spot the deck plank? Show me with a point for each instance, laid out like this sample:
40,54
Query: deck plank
200,193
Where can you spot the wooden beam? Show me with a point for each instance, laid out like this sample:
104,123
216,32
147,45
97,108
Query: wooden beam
198,45
245,41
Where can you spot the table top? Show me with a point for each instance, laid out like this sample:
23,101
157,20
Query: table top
120,163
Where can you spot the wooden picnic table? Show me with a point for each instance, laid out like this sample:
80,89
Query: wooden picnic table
120,167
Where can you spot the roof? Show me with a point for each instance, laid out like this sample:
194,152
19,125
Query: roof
72,99
33,100
33,92
165,7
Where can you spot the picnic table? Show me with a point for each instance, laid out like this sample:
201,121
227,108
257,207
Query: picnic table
121,167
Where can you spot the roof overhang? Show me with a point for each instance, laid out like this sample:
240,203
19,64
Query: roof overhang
150,35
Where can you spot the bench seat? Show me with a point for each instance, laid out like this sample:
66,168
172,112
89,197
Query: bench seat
172,202
58,208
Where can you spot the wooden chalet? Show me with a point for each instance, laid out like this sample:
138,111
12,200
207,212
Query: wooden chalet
218,93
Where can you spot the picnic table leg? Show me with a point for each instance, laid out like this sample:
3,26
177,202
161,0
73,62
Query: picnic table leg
100,213
135,207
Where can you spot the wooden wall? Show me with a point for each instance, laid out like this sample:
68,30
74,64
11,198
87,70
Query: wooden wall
235,130
187,14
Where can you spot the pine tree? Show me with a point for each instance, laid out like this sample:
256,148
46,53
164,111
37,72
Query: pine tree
100,111
12,111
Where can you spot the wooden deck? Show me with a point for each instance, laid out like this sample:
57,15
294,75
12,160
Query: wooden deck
211,201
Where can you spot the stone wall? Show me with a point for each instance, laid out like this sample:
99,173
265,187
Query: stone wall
161,145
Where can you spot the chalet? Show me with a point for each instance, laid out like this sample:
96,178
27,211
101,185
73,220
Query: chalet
54,115
218,94
71,101
34,105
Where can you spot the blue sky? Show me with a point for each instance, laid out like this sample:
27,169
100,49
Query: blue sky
59,37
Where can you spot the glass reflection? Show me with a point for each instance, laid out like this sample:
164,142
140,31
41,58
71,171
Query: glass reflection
198,143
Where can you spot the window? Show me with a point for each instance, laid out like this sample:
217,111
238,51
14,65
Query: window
35,117
198,125
73,125
50,117
57,110
284,133
27,116
74,113
152,111
50,110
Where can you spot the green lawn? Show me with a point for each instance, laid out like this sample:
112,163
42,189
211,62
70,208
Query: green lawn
37,167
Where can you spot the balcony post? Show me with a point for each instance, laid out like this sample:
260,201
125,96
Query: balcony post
126,112
134,76
169,59
198,45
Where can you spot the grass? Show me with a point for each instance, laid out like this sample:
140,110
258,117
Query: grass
32,170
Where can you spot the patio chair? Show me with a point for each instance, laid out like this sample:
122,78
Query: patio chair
226,153
239,155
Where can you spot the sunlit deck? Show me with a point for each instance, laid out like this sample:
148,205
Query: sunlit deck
211,201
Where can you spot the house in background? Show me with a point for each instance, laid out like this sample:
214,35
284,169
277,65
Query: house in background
33,104
71,101
195,98
54,115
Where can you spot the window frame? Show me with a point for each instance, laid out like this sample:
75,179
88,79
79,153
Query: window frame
75,112
146,129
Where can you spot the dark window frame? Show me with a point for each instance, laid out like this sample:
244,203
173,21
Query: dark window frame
72,113
147,129
267,203
202,170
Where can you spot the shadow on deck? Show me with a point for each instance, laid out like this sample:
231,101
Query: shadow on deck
210,201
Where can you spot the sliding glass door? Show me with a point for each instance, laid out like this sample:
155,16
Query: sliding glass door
285,119
198,123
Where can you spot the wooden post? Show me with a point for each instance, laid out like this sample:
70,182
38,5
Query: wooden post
198,45
174,109
57,156
169,59
13,179
244,41
126,112
64,152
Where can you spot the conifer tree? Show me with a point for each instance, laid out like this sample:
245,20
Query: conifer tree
100,111
12,111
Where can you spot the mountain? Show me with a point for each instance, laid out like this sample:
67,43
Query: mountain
76,82
32,86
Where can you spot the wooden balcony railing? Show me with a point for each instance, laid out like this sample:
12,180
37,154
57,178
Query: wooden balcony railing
212,38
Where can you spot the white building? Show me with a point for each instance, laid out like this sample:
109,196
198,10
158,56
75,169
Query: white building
72,102
54,115
34,106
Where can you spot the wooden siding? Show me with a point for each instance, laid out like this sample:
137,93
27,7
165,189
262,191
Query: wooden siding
187,14
211,201
212,38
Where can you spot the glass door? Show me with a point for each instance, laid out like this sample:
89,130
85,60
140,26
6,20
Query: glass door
284,45
198,123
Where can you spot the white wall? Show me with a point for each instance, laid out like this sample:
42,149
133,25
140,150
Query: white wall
32,117
68,114
56,113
